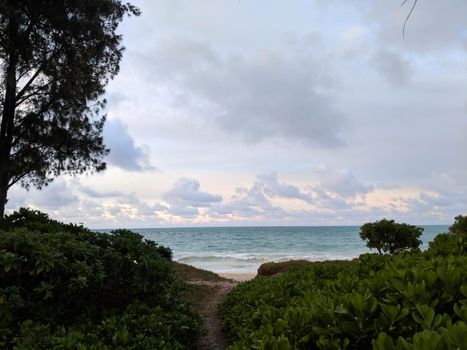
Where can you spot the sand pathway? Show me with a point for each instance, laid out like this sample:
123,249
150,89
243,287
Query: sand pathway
215,339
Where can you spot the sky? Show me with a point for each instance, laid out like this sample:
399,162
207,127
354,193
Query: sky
272,112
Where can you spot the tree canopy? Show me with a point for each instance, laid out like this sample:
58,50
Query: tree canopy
56,58
459,226
388,236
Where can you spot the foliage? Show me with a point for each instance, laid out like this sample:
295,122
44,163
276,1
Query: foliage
410,301
34,220
459,226
190,273
56,58
390,236
62,286
447,244
273,268
452,243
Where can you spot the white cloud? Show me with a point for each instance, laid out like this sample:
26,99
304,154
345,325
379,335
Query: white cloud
123,151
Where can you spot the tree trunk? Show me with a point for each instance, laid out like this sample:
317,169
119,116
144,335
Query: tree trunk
8,116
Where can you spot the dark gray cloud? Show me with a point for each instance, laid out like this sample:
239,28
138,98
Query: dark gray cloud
346,184
123,151
100,194
186,191
267,94
185,198
55,196
274,188
392,66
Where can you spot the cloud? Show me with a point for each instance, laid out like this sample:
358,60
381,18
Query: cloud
185,198
186,191
346,184
392,66
256,202
262,95
434,25
123,151
274,188
55,196
99,194
268,200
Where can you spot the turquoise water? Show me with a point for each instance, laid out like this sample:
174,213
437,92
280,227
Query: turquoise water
243,249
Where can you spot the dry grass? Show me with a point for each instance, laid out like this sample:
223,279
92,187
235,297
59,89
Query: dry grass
189,273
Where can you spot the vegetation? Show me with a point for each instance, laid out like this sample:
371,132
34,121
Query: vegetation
64,287
273,268
190,273
414,300
56,57
391,237
459,226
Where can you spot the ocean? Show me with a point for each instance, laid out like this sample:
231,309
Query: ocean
244,249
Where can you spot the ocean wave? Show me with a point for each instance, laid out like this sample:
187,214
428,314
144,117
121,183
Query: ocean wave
221,258
247,263
258,259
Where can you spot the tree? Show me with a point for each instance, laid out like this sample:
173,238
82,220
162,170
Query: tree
56,58
390,236
459,226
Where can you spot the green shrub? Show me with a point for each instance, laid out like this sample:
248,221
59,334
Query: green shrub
391,237
274,268
459,227
452,243
34,220
447,244
62,285
409,301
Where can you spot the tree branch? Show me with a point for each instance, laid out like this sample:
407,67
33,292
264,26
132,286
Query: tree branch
28,84
408,16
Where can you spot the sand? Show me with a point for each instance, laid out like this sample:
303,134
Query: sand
238,276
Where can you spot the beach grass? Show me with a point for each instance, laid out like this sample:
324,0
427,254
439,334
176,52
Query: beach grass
190,273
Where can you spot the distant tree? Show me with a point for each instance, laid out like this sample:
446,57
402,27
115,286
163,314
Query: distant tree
459,226
388,236
56,57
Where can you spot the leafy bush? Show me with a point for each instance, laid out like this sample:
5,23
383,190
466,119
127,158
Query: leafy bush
390,236
273,268
452,243
459,226
409,301
62,286
447,244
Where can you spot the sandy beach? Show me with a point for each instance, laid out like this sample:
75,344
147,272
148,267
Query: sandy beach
238,276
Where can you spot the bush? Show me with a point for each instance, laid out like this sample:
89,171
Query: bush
389,236
64,286
274,268
447,244
459,226
375,302
415,300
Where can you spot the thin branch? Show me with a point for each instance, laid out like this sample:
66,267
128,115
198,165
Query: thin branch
408,16
17,178
38,92
28,84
